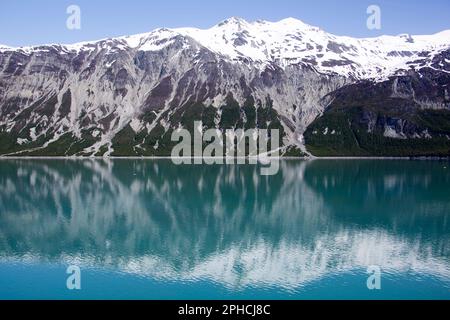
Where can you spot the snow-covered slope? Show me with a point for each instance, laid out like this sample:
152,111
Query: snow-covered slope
290,41
3,47
134,90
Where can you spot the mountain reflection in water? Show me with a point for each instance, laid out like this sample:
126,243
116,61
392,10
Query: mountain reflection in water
228,224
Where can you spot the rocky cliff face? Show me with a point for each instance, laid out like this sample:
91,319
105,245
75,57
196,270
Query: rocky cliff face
406,115
125,96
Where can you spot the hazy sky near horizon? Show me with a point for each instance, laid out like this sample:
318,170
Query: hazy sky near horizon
32,22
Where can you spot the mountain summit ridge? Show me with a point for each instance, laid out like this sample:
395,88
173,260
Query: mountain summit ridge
289,41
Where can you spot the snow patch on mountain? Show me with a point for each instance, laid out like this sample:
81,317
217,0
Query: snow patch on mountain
291,41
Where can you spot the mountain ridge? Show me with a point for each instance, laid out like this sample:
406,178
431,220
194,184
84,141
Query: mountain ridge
445,32
388,45
124,96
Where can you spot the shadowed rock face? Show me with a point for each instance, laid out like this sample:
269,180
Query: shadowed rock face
404,116
125,96
313,219
103,90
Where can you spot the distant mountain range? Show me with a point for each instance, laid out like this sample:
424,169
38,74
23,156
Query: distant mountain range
328,95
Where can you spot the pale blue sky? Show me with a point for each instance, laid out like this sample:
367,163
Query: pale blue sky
29,22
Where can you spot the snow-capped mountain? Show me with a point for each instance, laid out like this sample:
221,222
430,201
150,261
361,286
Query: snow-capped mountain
291,41
124,96
288,42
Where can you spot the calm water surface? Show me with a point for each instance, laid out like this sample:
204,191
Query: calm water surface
142,229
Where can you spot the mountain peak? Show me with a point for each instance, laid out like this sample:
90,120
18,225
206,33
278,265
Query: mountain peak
233,20
291,20
294,23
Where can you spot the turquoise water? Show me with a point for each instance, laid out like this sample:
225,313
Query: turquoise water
143,229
